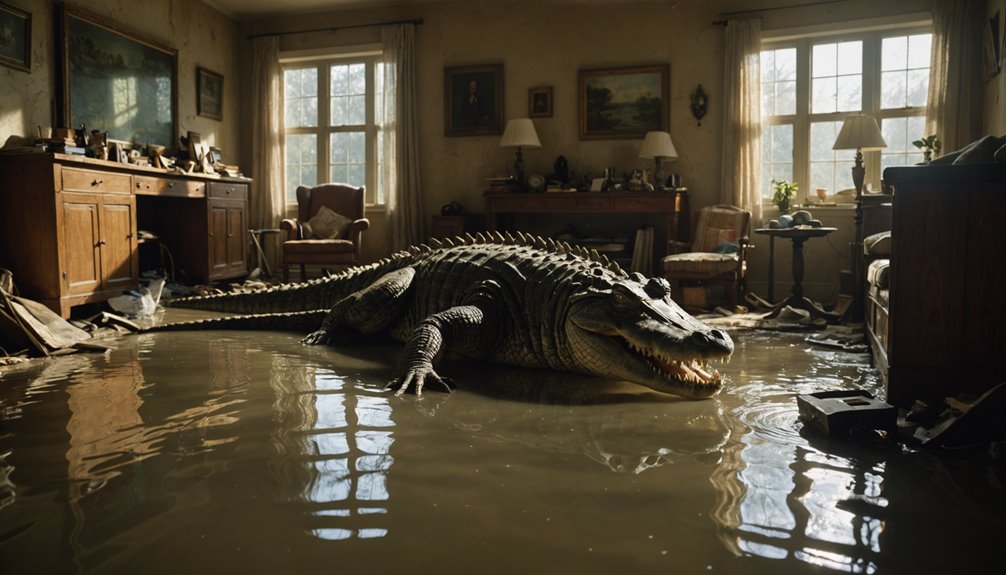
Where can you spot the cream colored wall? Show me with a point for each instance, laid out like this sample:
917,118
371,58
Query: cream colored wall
203,36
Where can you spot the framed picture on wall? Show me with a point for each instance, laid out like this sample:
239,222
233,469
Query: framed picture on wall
624,102
539,102
473,100
15,37
210,94
115,81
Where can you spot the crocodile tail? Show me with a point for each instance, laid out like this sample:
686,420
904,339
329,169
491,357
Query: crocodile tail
280,298
301,321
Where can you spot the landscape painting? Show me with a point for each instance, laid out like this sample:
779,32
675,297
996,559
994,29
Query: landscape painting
623,102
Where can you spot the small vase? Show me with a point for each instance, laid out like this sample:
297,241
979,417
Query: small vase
927,156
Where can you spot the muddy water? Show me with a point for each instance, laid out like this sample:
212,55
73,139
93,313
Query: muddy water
249,453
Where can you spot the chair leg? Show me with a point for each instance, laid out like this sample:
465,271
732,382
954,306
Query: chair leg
303,273
286,273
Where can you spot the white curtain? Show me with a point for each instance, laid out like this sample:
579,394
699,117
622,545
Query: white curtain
267,203
955,87
399,146
742,117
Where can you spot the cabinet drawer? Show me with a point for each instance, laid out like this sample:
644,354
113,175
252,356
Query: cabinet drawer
518,204
579,204
656,203
229,190
155,186
91,181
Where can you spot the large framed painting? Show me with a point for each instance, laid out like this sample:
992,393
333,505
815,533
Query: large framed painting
15,37
473,100
624,102
117,82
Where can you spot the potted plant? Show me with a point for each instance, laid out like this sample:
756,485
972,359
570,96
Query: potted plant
929,145
783,195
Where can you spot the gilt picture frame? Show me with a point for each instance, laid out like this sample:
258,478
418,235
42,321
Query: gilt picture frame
473,100
624,102
15,29
114,80
539,102
209,94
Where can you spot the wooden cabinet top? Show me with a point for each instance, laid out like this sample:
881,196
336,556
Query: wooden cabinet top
73,160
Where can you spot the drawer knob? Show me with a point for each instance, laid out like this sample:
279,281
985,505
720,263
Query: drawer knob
171,184
97,182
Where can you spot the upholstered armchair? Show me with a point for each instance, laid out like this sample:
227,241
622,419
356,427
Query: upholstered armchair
328,228
718,251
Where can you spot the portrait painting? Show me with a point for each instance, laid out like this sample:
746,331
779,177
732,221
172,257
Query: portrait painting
473,100
210,94
15,37
539,104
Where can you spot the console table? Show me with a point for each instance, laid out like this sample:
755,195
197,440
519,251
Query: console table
69,225
672,204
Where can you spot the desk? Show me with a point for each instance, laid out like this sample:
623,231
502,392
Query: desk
70,226
796,299
670,203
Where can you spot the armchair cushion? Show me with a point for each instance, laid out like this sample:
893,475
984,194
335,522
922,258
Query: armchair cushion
878,245
700,262
326,224
714,237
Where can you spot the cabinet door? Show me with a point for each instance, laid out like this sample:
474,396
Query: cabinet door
228,242
119,263
81,237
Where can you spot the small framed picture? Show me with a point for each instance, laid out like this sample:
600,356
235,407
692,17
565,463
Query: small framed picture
539,102
210,94
473,100
15,37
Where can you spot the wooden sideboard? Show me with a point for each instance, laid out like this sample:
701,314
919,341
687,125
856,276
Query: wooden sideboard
673,205
946,316
69,225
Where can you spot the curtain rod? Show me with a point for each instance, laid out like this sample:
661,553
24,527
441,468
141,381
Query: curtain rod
771,9
416,21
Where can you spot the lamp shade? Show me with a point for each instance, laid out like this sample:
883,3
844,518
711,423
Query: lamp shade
520,132
859,132
658,145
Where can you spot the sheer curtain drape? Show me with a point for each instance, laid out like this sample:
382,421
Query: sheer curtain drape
267,203
955,87
399,139
742,117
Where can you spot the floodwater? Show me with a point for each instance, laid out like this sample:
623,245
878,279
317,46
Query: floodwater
245,452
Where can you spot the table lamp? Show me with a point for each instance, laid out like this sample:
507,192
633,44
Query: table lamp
658,147
859,132
519,133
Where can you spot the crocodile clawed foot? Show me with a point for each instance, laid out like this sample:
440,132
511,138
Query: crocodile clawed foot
319,337
416,380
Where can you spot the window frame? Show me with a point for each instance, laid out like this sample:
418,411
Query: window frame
871,34
322,61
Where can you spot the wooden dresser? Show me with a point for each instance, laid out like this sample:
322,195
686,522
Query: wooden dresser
69,225
947,321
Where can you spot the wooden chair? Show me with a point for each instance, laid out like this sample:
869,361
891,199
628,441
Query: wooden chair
718,251
317,236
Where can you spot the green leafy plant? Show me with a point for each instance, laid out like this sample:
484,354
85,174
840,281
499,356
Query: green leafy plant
929,145
782,197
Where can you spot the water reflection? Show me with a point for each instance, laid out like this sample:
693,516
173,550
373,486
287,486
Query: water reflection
334,441
781,497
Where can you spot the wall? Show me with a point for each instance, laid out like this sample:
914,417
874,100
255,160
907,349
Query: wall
203,36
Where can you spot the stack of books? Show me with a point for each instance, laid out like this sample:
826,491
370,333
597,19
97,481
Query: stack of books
500,184
60,145
642,252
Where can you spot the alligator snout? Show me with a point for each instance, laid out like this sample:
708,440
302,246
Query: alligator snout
714,339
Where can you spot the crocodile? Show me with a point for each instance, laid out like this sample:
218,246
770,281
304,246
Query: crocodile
517,300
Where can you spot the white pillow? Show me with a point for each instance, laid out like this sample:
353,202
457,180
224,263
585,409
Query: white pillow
327,225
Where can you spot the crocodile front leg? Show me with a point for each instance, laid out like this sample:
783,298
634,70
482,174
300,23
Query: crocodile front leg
464,326
367,311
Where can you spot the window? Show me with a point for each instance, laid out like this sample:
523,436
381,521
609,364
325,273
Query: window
330,106
810,84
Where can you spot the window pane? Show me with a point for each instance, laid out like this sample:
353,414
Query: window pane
830,169
301,97
349,157
837,84
779,82
301,163
777,156
899,133
349,90
905,80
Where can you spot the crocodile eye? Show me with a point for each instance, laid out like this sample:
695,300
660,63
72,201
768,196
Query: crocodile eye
621,298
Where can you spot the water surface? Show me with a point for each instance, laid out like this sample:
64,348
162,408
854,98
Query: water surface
244,452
